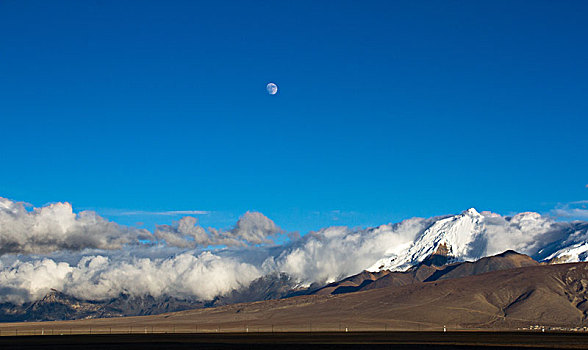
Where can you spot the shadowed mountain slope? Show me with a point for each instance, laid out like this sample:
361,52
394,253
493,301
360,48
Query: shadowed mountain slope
554,295
429,270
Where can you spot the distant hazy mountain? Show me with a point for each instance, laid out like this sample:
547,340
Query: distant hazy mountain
59,306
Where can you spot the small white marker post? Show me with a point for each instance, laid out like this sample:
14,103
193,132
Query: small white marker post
444,329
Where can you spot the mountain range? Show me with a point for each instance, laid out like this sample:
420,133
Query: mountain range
534,296
59,306
450,248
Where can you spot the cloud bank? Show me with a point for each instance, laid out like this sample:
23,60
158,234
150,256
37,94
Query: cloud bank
91,258
201,276
56,227
336,252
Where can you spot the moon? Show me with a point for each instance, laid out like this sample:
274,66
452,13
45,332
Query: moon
272,88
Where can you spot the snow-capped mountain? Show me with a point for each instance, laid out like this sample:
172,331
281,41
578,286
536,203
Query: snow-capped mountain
572,245
572,248
574,253
459,238
471,235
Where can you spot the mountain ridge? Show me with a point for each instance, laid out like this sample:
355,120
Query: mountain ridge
60,306
428,271
544,295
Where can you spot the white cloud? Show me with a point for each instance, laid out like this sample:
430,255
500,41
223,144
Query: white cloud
336,252
524,232
252,228
32,280
56,227
575,213
184,235
572,210
317,257
255,228
202,276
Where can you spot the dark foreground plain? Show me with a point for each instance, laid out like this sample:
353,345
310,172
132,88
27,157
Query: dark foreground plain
319,340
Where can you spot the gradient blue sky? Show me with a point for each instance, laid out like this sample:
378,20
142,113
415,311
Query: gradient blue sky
386,110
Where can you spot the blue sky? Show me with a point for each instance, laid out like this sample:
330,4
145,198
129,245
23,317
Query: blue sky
386,110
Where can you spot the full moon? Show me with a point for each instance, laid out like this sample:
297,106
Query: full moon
272,88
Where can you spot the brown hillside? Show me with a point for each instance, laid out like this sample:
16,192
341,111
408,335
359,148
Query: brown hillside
550,295
428,271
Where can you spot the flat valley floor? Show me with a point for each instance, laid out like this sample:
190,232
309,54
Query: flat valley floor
301,340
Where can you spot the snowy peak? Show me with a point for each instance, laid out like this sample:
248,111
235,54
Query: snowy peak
470,212
457,238
575,253
572,245
471,235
